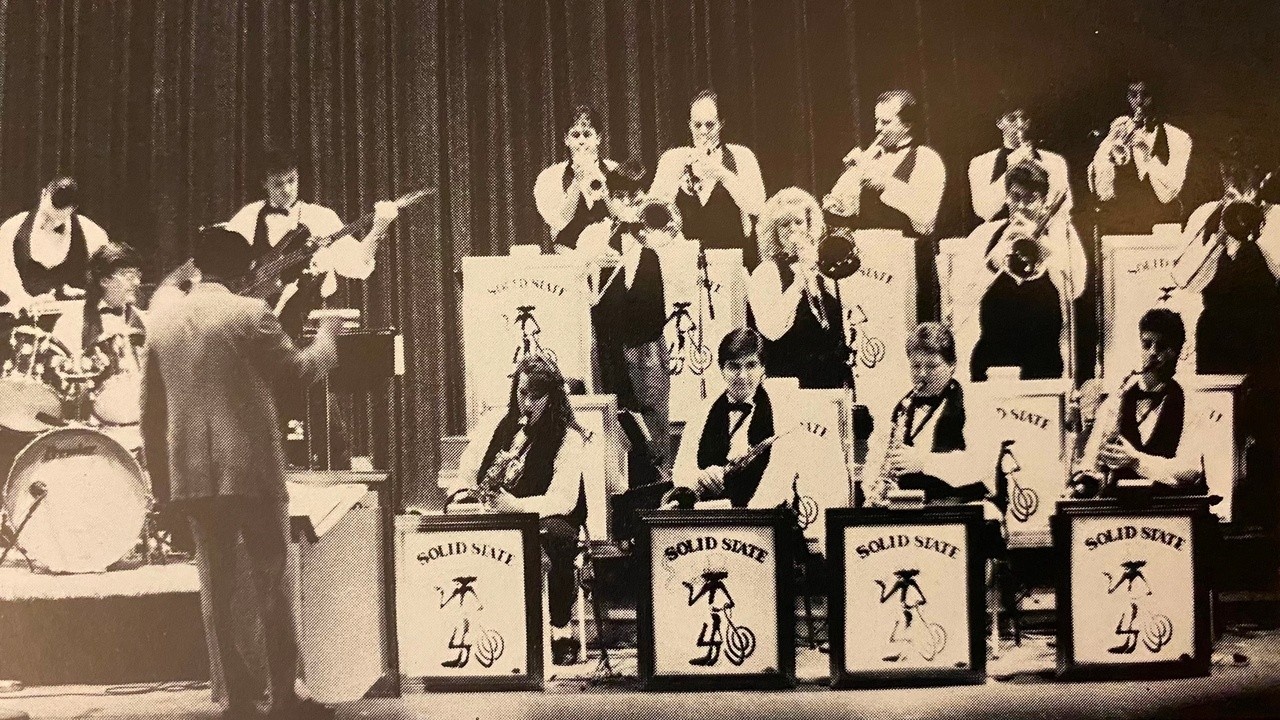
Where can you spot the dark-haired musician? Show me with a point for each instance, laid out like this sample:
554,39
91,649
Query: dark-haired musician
528,457
571,194
987,171
44,252
895,183
1034,269
110,300
1141,432
721,436
795,307
716,185
631,312
1140,166
266,222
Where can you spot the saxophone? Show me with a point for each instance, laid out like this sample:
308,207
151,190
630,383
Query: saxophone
888,480
503,473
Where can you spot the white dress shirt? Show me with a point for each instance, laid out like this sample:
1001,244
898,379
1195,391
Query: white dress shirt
549,194
561,496
346,256
1166,178
989,194
919,198
48,248
746,186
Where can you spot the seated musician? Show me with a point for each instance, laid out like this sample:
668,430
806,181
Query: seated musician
631,311
110,305
795,307
721,454
44,252
1034,270
925,447
529,458
1140,435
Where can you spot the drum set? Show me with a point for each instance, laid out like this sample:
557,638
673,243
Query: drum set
76,498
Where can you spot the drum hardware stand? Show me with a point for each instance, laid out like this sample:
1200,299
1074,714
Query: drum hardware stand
605,673
9,539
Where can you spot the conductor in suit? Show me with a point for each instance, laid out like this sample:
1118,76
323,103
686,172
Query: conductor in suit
213,448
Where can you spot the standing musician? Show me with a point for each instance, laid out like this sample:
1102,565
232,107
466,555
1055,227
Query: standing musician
631,311
1139,168
1034,269
1140,432
722,453
895,183
987,171
571,194
1231,255
795,307
529,458
264,224
716,186
924,447
44,252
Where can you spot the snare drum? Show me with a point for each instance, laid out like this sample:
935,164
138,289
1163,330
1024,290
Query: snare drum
30,387
95,500
117,398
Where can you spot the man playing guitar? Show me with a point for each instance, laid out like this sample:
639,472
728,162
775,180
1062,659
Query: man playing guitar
266,223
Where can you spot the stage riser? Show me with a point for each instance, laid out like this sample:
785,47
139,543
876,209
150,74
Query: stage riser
103,641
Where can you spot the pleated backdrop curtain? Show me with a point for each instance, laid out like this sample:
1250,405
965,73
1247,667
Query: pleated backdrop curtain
160,108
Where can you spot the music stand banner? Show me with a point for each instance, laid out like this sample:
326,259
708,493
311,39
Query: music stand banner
469,602
906,596
718,612
1133,601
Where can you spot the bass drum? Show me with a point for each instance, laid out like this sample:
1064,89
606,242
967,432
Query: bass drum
95,500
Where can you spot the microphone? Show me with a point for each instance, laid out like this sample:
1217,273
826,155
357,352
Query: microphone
38,489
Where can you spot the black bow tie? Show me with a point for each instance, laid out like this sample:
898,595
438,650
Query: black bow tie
1152,395
118,312
630,228
273,210
741,407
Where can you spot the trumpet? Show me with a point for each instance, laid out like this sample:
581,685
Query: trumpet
859,156
691,180
1121,152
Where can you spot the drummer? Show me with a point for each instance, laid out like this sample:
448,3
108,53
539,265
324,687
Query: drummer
109,309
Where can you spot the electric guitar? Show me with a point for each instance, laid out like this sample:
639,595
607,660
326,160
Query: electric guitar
290,259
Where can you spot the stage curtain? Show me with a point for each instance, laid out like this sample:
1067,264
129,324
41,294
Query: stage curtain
159,108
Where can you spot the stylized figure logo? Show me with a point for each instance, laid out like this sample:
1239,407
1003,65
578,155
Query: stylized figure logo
1023,502
805,508
927,638
871,350
488,644
1136,623
738,642
688,349
529,332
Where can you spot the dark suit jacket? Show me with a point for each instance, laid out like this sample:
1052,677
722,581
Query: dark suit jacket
209,420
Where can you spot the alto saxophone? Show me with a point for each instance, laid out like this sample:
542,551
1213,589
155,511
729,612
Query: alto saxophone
503,473
888,480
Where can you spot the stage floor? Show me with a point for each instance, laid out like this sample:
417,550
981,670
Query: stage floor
1252,690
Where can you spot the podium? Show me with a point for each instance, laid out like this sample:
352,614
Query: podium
1133,601
1020,426
880,311
1136,276
469,602
716,610
906,596
515,305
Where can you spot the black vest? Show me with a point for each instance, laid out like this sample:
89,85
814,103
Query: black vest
874,213
718,224
628,317
545,438
948,436
583,216
1019,326
1135,207
814,355
38,279
1236,332
713,446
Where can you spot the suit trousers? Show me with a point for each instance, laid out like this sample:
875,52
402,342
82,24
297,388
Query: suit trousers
219,525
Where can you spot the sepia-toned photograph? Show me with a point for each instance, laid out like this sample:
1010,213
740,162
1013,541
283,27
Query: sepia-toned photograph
576,359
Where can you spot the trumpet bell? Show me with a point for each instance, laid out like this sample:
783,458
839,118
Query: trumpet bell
1243,220
657,215
838,255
